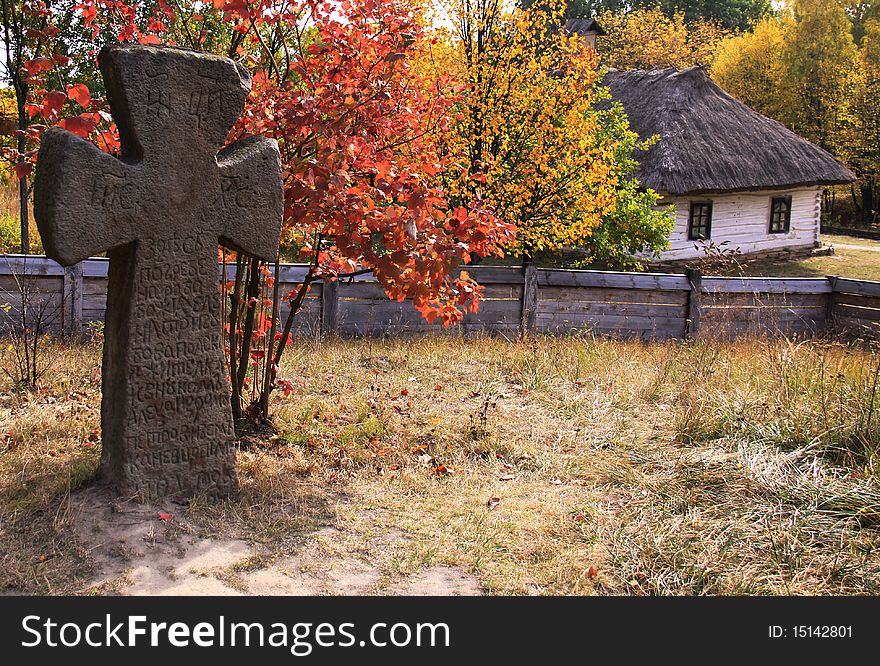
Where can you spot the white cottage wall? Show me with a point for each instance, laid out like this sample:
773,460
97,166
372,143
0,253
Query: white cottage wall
743,219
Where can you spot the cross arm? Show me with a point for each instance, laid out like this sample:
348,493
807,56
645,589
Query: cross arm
85,201
251,202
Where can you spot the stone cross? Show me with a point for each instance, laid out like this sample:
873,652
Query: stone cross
159,211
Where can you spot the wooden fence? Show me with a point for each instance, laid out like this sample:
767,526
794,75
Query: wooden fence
530,300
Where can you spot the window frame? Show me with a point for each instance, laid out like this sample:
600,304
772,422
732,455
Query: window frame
708,226
786,228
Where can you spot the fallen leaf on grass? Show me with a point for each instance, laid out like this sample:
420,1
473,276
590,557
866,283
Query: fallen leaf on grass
593,571
441,470
165,517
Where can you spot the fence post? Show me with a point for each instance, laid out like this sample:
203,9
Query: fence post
692,324
832,298
329,306
528,323
72,301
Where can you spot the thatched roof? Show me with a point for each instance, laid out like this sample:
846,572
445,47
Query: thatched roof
583,26
710,142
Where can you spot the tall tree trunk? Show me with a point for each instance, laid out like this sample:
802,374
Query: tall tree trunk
21,95
12,30
867,207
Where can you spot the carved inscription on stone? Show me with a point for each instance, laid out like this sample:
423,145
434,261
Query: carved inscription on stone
159,212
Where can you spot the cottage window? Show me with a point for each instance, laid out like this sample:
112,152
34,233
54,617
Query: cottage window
780,215
700,221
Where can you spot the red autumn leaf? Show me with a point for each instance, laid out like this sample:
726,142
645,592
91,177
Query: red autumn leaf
37,65
593,571
53,101
149,39
81,125
108,141
23,169
438,387
165,517
80,94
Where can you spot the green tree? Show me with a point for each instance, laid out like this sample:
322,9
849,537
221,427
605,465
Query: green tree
730,14
636,227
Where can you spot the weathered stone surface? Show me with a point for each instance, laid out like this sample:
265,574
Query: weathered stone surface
159,211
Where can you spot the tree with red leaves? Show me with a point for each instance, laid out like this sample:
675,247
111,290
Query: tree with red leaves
357,127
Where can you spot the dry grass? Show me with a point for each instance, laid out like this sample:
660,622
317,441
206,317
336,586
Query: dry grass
544,467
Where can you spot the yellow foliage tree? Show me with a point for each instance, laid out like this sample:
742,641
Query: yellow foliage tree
804,69
864,138
537,148
749,67
649,39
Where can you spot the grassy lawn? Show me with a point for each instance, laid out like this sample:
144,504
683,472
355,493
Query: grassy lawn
857,258
569,466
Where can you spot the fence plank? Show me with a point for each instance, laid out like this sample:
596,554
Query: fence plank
850,311
862,287
30,264
552,277
764,300
579,320
719,316
653,304
611,295
597,308
646,327
741,328
763,285
392,313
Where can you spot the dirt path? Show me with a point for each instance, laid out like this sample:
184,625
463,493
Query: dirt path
136,552
848,246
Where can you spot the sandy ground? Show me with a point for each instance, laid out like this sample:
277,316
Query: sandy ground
136,552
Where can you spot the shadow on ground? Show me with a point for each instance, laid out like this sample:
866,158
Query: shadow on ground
136,549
